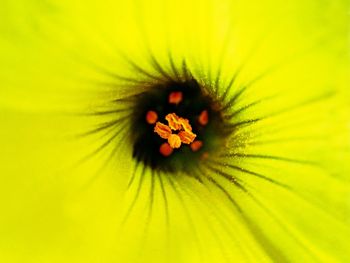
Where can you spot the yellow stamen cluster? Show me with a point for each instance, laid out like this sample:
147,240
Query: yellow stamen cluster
175,123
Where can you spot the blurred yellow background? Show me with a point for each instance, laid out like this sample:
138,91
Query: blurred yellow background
55,208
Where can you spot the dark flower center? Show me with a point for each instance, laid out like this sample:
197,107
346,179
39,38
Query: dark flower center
175,126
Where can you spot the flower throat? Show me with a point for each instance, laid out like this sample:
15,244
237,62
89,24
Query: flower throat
175,126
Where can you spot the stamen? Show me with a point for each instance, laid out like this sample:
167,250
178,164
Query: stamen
162,130
177,123
174,121
175,97
187,137
186,125
203,118
165,149
174,141
196,145
151,117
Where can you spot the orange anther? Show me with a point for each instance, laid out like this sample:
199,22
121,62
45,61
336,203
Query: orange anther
162,130
151,117
165,149
203,118
177,123
174,141
174,121
175,97
196,145
187,137
185,124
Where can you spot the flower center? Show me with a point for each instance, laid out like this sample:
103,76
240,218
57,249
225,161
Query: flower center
176,125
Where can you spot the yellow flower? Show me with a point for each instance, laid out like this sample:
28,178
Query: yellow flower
273,189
